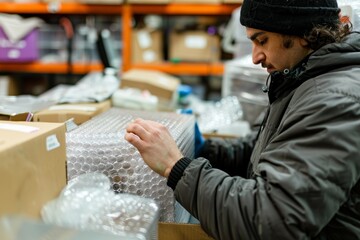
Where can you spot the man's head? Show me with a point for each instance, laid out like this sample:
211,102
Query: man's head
282,31
275,51
290,17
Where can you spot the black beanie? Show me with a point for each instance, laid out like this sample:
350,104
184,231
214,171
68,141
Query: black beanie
291,17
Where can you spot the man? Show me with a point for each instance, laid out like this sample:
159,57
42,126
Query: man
303,179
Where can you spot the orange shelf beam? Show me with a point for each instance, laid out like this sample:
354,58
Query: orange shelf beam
66,8
200,69
185,9
57,68
126,37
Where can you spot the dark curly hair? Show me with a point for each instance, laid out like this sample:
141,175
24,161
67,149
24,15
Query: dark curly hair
322,35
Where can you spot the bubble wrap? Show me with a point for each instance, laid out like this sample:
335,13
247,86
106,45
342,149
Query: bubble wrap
125,215
99,146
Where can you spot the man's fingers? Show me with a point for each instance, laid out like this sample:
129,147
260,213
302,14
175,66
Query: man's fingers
148,125
133,139
138,129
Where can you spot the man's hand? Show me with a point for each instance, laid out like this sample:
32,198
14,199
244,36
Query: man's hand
155,144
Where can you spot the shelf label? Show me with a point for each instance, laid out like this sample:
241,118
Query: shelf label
195,42
144,39
149,56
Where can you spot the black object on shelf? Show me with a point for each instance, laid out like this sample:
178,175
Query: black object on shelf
106,49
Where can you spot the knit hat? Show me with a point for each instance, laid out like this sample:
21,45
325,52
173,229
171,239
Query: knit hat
291,17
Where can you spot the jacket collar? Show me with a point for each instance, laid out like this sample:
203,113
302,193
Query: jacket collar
282,83
330,56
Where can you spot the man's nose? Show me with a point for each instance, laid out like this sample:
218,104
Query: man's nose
257,55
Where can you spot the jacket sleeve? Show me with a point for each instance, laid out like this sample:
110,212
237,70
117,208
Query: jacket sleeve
305,174
230,155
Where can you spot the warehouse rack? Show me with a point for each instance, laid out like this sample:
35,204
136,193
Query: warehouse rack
127,12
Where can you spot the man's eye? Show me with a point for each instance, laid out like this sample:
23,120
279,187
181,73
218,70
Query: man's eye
262,42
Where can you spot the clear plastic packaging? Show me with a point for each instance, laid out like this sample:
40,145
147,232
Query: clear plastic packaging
88,203
98,145
213,115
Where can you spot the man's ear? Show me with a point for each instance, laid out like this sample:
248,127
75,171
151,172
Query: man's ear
303,42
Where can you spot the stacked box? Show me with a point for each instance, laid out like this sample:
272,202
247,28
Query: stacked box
194,46
147,46
99,146
32,166
80,113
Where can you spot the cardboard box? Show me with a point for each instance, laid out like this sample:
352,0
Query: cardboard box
81,112
160,84
32,166
147,46
194,46
181,231
15,116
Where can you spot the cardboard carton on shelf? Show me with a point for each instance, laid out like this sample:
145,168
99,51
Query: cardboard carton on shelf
32,166
147,46
194,46
80,112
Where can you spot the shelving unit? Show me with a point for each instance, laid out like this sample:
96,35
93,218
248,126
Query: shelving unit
127,11
44,8
201,69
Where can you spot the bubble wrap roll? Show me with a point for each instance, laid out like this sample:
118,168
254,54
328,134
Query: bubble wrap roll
99,146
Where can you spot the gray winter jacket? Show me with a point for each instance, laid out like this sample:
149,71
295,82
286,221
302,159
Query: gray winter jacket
304,181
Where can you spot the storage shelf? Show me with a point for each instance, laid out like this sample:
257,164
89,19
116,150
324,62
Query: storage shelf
126,11
57,68
66,8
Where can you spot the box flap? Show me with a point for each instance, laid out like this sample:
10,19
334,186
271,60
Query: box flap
181,231
153,77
